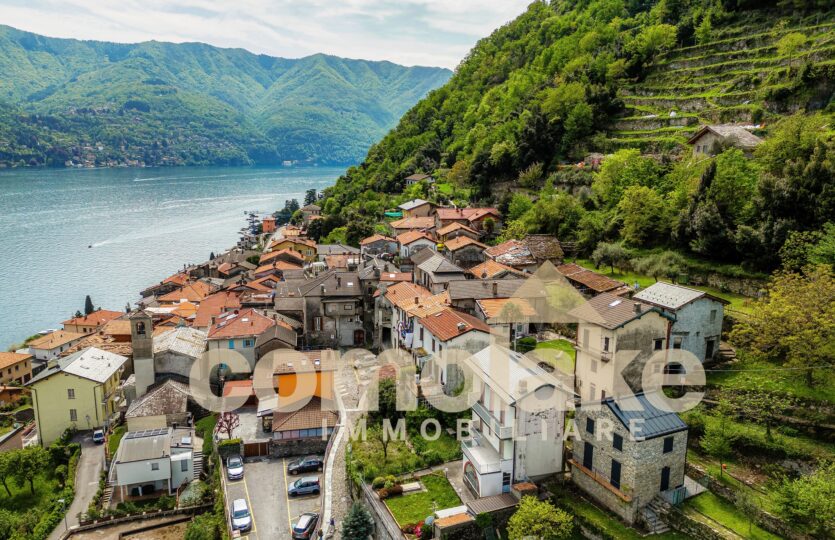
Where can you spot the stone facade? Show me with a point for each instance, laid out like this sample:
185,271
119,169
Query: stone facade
298,447
467,257
641,463
698,328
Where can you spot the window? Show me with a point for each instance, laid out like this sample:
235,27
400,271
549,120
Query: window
594,366
712,315
677,342
317,324
586,338
348,307
184,466
592,392
421,333
433,344
606,344
154,466
658,344
668,445
614,478
73,415
70,393
590,425
617,442
248,343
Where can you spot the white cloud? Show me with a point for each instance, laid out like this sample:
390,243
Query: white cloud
411,32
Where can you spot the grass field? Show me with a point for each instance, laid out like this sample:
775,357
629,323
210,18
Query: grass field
22,499
727,515
114,439
763,375
563,362
416,507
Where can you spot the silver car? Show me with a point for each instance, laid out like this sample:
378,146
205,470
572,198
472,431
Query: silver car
234,468
241,517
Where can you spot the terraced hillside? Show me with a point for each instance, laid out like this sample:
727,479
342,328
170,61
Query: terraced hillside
740,75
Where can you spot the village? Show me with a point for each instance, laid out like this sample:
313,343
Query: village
532,325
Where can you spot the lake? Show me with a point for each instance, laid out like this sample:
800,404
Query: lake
142,224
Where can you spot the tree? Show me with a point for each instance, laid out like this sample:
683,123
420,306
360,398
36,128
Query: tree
88,305
531,176
762,406
665,264
794,325
610,253
796,252
539,519
653,40
808,501
823,252
29,463
644,215
358,524
227,422
704,32
60,474
790,44
621,170
749,506
7,470
519,204
310,196
203,527
716,440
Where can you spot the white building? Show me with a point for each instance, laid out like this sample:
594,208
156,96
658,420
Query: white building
53,344
153,462
518,423
450,330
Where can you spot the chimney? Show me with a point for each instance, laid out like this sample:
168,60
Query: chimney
376,271
637,307
417,299
322,288
338,282
495,289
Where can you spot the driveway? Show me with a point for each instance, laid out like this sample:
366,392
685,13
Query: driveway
86,481
265,489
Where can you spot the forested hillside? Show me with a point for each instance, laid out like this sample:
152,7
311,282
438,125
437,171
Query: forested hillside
99,103
633,80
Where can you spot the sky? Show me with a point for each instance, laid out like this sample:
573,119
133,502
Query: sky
408,32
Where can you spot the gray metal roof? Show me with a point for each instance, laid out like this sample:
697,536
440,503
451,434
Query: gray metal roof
90,363
651,421
611,311
492,504
437,264
414,203
144,445
668,296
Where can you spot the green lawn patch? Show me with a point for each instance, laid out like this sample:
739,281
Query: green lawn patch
205,429
370,461
727,515
762,375
115,438
22,499
563,362
416,507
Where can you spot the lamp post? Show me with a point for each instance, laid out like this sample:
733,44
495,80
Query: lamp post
64,511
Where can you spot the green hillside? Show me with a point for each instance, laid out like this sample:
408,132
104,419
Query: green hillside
191,103
634,79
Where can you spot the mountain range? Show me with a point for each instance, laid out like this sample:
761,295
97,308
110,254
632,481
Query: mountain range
67,101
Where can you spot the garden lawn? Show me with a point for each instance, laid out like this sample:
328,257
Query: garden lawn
22,499
727,515
760,377
415,507
447,446
371,463
205,428
114,440
563,363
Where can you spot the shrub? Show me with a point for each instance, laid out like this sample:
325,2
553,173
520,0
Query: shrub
432,457
378,482
166,502
526,344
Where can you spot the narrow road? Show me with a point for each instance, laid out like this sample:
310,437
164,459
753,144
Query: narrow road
86,482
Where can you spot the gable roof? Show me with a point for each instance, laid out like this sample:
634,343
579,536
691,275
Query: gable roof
742,136
214,305
277,266
184,341
96,319
672,297
193,292
470,214
438,264
509,373
311,416
53,340
417,177
448,323
454,226
651,421
409,237
421,222
90,363
495,307
375,238
610,311
243,323
310,207
589,278
336,249
11,358
403,294
511,253
490,269
414,203
461,242
544,247
287,254
170,397
473,289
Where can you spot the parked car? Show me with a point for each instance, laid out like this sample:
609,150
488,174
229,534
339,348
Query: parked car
98,436
305,464
309,485
234,467
304,527
241,517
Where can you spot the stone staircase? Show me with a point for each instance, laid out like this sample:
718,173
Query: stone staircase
107,495
726,353
198,464
651,514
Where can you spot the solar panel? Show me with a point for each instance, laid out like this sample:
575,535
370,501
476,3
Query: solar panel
146,433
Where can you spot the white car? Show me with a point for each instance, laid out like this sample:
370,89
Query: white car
241,517
234,468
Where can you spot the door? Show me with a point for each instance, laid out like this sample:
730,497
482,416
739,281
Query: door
614,478
709,349
588,456
359,337
665,479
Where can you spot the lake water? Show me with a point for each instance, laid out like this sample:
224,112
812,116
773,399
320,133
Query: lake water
142,224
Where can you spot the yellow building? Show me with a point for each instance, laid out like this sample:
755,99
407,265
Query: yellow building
15,368
81,391
301,245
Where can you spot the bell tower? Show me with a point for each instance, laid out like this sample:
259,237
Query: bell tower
142,341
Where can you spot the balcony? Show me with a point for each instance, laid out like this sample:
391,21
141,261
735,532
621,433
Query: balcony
605,356
484,457
503,432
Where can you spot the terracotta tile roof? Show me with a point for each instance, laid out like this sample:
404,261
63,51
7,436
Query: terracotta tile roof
461,242
484,212
403,294
311,208
428,306
303,241
495,307
285,254
55,339
490,269
185,310
375,238
95,319
9,359
311,416
411,236
413,223
457,519
119,327
341,261
238,388
589,279
393,277
449,323
180,279
277,266
454,226
193,292
214,305
105,343
244,323
451,214
315,360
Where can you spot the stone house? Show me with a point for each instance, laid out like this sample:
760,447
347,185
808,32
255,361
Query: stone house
418,177
464,251
436,272
616,336
464,293
410,242
162,407
176,351
591,283
697,317
454,230
709,140
490,269
417,208
517,423
310,211
239,330
508,318
377,244
629,452
425,224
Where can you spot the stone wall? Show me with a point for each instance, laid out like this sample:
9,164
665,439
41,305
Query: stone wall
385,526
297,447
